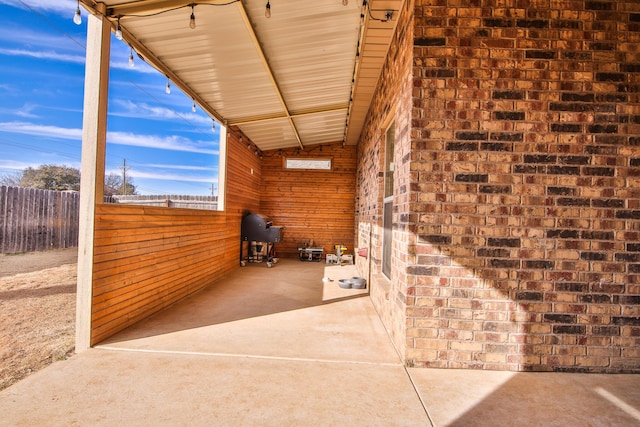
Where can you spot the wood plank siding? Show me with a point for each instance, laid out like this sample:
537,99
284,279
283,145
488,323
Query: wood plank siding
312,205
148,258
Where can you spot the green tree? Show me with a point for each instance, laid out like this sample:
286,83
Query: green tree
51,177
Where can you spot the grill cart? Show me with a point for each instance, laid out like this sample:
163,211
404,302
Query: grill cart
261,237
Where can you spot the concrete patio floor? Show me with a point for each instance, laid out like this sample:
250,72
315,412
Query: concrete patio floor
278,347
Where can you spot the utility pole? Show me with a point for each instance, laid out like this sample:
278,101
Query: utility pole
213,190
124,168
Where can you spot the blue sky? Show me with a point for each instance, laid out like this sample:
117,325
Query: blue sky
168,148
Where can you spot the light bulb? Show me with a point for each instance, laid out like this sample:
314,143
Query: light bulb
267,10
118,31
213,126
131,63
77,18
192,19
167,88
193,107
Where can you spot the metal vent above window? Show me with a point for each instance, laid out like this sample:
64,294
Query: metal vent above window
309,164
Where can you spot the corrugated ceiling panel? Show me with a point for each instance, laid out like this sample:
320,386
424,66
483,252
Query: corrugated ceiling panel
271,134
309,47
318,129
236,82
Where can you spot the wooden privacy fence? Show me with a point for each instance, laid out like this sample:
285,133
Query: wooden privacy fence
36,220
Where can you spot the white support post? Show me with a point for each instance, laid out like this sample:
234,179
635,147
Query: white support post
94,134
222,169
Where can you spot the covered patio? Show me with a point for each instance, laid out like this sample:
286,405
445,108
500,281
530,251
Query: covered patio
310,354
484,158
289,83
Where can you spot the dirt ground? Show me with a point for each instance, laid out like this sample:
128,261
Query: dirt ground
37,311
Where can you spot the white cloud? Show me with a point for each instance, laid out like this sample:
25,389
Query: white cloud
171,177
61,7
139,66
135,173
77,59
16,165
19,33
26,128
171,142
181,167
26,111
143,110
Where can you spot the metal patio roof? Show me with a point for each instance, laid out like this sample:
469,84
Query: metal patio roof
303,76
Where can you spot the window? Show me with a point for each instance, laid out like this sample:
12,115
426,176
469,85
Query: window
162,149
387,216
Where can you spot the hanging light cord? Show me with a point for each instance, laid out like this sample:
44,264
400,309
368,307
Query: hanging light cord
173,9
388,14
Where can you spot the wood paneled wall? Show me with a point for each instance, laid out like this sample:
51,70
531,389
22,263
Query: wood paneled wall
148,258
310,204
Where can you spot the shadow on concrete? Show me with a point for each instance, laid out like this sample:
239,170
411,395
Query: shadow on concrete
457,398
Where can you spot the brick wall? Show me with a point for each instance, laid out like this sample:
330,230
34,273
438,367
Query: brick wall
526,173
391,104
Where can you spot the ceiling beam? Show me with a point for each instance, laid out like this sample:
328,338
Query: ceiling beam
293,115
267,67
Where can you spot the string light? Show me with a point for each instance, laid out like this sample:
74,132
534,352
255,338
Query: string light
193,107
118,30
213,126
267,10
192,19
167,88
77,18
131,63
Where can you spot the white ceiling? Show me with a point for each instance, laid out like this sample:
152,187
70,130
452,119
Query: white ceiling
304,76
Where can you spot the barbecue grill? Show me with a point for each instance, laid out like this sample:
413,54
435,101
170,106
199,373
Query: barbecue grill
260,234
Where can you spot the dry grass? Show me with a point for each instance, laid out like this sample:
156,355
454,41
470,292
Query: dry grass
37,319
